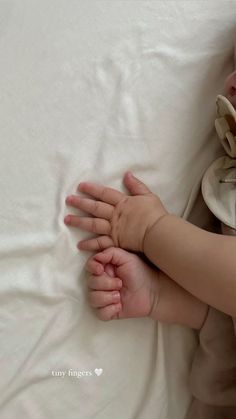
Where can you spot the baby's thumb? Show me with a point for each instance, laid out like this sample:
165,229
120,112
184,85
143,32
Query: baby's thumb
134,185
113,255
105,257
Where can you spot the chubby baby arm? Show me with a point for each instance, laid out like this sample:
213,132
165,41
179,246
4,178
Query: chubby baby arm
201,262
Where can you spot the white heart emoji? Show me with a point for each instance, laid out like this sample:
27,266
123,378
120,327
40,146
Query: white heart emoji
98,371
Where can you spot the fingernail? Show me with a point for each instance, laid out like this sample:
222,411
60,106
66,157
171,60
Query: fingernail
67,219
116,295
80,186
120,283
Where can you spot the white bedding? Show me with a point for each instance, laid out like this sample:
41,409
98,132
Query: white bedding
89,89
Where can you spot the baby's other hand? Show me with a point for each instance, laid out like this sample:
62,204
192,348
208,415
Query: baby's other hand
121,285
118,220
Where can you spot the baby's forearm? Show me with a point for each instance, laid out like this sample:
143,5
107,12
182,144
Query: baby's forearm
203,263
172,304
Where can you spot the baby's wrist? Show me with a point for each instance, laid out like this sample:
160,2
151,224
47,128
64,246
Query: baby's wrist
150,230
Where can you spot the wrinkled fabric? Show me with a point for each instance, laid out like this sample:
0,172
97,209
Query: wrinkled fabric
87,91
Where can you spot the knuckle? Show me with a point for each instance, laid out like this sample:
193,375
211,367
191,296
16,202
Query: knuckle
99,243
96,206
109,229
94,225
103,193
123,202
126,199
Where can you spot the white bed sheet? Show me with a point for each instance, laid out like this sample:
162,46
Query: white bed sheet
89,89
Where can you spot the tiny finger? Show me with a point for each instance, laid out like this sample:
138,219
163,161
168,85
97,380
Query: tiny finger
109,312
97,208
108,195
94,267
98,243
104,283
91,224
103,298
134,185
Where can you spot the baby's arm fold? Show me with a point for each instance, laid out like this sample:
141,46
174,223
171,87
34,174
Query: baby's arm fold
201,262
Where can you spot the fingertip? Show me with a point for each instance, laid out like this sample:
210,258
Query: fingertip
99,256
128,175
80,186
130,181
69,199
99,269
115,309
109,312
94,267
115,316
83,245
118,307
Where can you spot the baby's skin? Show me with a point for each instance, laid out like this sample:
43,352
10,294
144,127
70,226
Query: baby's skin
121,285
190,262
118,219
126,221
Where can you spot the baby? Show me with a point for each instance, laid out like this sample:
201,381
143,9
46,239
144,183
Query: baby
190,278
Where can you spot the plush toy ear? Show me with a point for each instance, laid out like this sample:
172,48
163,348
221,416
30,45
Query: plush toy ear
225,124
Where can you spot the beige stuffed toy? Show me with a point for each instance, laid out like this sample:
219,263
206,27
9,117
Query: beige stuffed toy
219,181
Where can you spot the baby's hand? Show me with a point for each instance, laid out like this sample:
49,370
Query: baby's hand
118,219
121,285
